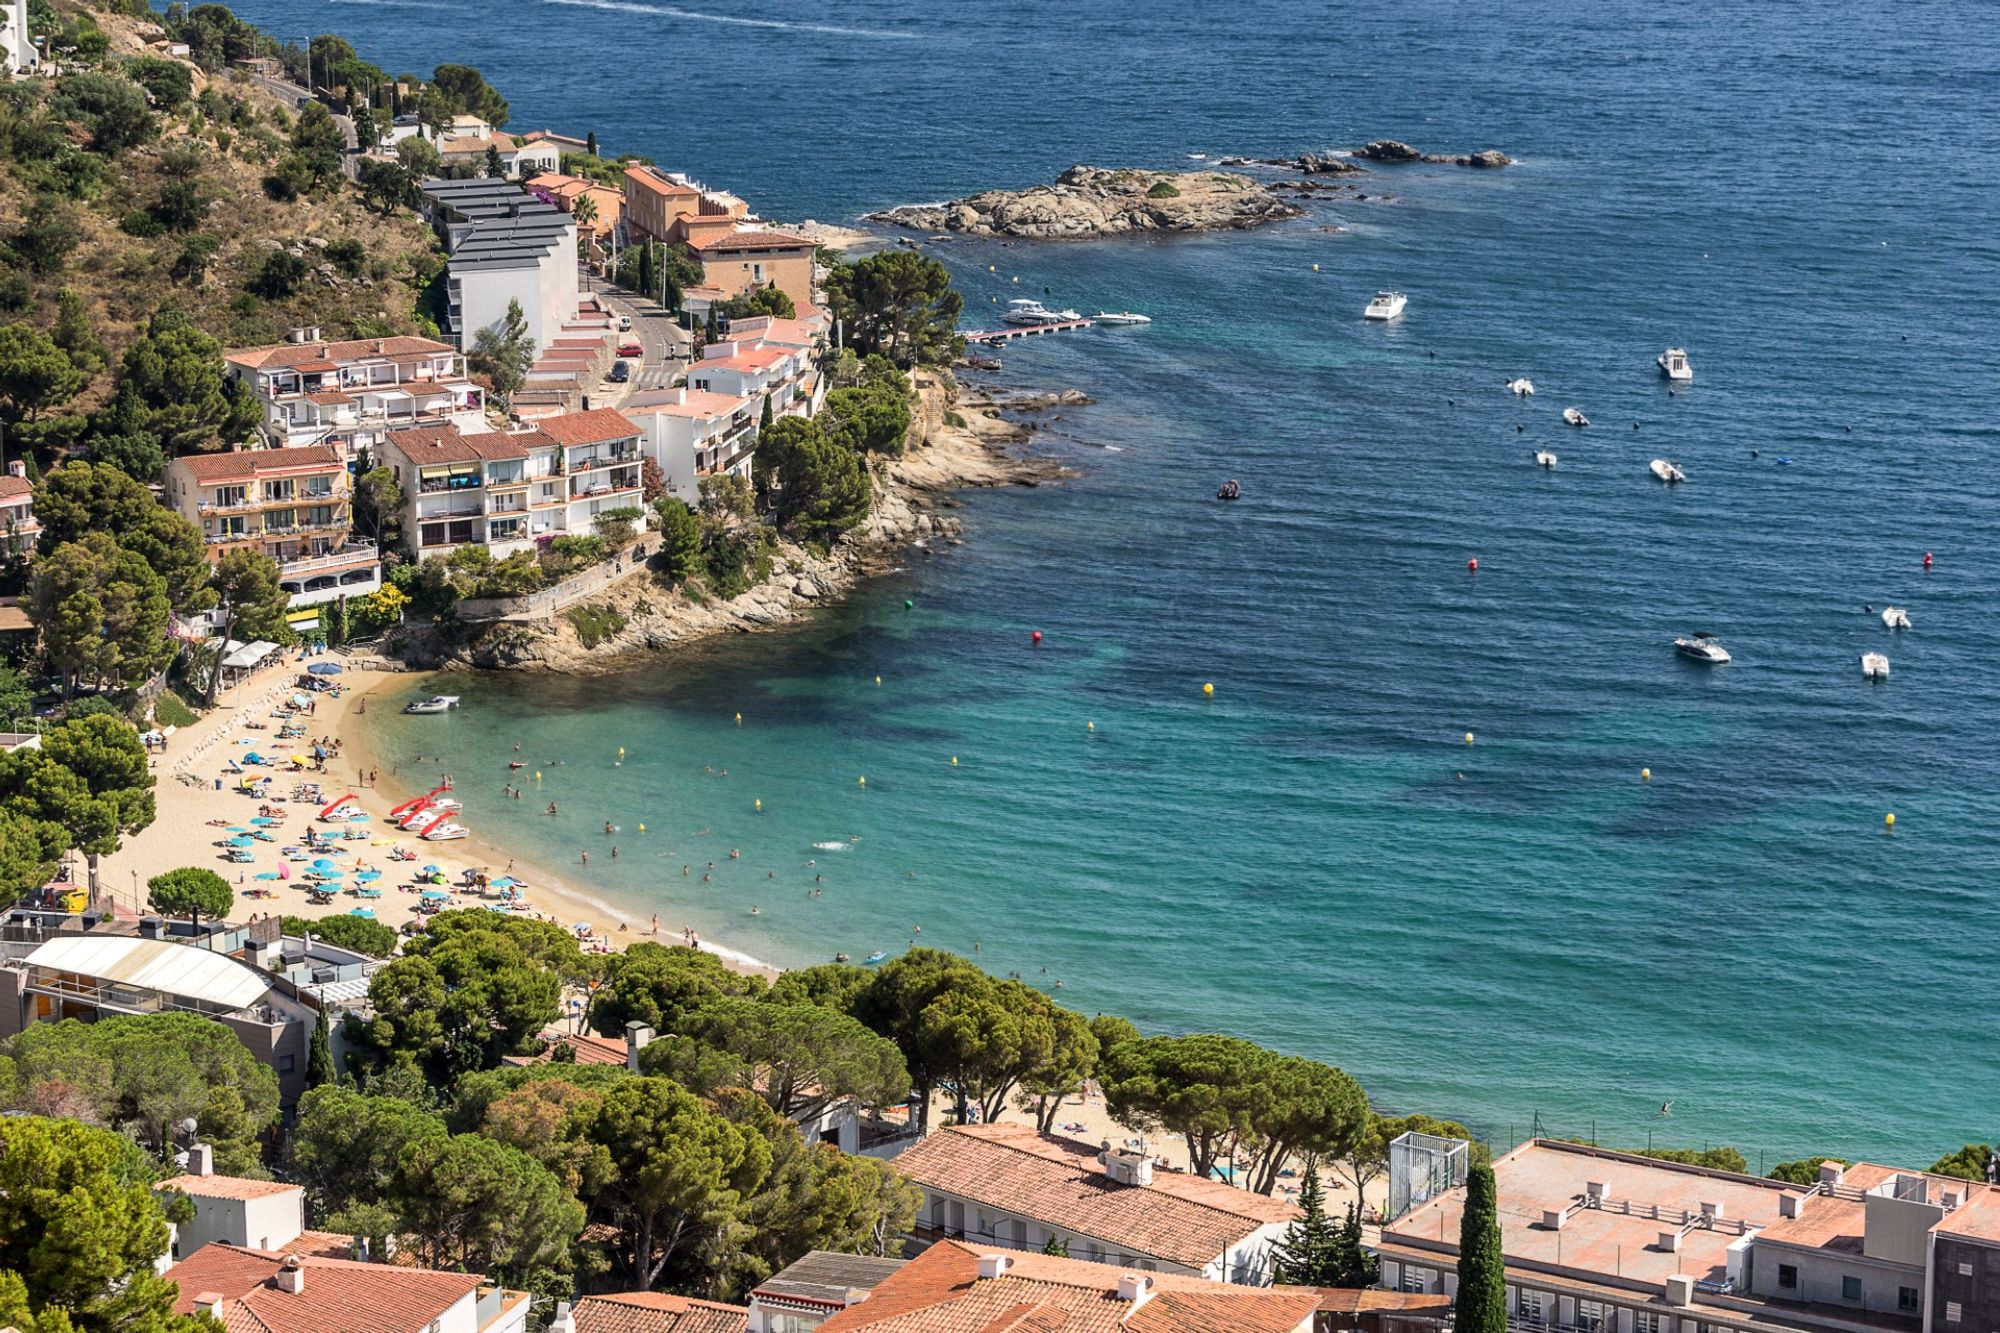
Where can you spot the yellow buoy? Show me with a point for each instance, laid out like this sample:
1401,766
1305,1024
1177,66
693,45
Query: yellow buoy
954,761
1315,268
1889,820
990,268
1090,726
1468,738
862,782
621,752
760,803
739,719
1208,689
538,775
642,828
878,680
1645,775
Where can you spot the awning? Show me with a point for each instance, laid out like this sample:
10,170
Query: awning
240,655
300,619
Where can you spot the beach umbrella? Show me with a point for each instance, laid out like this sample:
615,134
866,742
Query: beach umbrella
369,876
429,870
368,912
300,701
261,821
284,871
505,882
324,668
324,866
433,895
236,828
581,926
242,842
269,874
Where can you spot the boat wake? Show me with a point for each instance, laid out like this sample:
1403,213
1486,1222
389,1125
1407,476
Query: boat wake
831,846
675,12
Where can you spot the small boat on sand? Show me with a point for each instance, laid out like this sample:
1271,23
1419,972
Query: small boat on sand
1701,646
1875,666
1895,617
1575,417
1543,458
1666,471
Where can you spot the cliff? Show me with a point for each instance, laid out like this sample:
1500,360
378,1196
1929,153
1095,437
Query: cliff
1099,201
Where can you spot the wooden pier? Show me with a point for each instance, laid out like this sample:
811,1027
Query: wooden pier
994,337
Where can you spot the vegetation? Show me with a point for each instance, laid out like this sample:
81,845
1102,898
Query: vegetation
595,624
373,938
89,780
762,301
899,304
818,485
191,892
1163,190
1805,1171
1316,1252
1972,1162
503,352
1481,1303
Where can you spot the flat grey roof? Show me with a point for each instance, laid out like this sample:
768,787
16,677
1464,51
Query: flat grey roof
824,1276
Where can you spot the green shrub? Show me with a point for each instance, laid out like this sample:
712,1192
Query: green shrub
169,711
1163,190
595,624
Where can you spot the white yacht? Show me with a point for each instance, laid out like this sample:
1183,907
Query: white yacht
437,703
1895,617
1875,666
1575,417
1120,318
1666,471
1674,364
1386,305
1701,646
1543,458
1028,312
1521,388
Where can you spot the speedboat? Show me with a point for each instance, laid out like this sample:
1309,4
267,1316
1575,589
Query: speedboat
1701,646
1521,388
1386,305
1120,318
437,703
1666,471
1895,617
1675,366
1575,417
1543,458
1030,313
1875,666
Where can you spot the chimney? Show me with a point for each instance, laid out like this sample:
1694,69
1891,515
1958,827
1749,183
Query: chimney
291,1276
1134,1287
1552,1219
1670,1241
994,1265
1830,1173
210,1301
564,1321
17,468
586,402
1593,1190
152,928
1712,1211
201,1160
1680,1290
380,346
1791,1205
295,336
638,1036
1129,1168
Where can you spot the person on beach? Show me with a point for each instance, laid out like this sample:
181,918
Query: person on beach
684,870
656,915
614,851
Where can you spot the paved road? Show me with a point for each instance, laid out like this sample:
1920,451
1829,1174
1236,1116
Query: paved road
666,346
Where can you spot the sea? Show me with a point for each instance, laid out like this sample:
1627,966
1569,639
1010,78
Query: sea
1411,831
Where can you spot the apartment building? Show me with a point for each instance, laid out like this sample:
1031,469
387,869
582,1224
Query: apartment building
1605,1242
350,394
564,192
754,368
18,529
737,261
508,490
295,505
667,206
17,49
692,433
505,245
1010,1185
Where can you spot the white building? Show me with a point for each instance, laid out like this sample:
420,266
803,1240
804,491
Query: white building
693,433
818,1286
256,1214
505,245
18,529
468,139
754,368
1010,1185
261,1291
350,394
17,49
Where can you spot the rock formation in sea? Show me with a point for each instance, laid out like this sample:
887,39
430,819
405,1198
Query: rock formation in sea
1395,150
1103,201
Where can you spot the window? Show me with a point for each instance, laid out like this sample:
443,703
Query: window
1906,1299
1964,1268
1788,1277
1531,1306
1645,1321
1416,1279
1850,1287
1953,1312
287,1063
1590,1315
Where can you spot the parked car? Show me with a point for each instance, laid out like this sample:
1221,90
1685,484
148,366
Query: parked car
624,323
621,372
630,347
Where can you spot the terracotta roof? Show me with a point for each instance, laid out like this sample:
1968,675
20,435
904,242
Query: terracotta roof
340,1296
330,398
751,240
940,1291
324,1244
697,403
208,468
600,425
228,1187
13,488
1059,1182
297,356
1369,1300
746,356
645,179
657,1312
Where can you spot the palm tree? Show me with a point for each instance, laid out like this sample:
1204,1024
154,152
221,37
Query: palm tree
584,210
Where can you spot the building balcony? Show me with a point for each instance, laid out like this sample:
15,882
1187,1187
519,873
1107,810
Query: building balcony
442,485
350,556
607,458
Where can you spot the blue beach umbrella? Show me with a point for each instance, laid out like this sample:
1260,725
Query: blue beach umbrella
368,876
242,842
324,668
433,895
262,821
325,866
368,912
236,828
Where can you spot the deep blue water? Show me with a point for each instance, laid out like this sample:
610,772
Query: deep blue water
1799,194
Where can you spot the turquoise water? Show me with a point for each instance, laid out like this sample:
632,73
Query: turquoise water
1314,857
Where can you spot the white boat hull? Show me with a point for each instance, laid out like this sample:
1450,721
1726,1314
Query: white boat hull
1575,417
1674,364
1546,459
1666,471
1874,666
1386,306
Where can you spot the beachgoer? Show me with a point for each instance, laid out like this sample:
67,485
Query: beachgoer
734,854
586,858
614,851
552,807
656,915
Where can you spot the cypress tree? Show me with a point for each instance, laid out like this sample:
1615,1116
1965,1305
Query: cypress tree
1481,1304
590,143
765,424
1305,1256
1354,1266
319,1056
712,332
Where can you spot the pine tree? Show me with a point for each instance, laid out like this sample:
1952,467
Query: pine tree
319,1056
1354,1266
1481,1305
1305,1255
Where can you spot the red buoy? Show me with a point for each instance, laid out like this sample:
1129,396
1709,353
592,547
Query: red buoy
1927,559
1472,566
1036,637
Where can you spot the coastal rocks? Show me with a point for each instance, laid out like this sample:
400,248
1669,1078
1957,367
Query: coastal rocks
1395,150
1388,150
1043,402
1090,202
1309,164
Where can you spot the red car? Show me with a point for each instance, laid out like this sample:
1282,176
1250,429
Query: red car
630,347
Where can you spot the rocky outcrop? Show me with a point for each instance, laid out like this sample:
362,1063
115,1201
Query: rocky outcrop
1388,150
1309,164
1087,202
1395,150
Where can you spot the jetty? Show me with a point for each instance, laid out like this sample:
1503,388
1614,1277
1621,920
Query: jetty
994,337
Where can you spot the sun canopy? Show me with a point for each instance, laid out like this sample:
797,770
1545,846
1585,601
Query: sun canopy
238,655
180,970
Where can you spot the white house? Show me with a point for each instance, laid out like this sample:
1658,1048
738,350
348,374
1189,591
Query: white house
754,368
262,1291
1011,1185
505,245
256,1214
17,49
468,138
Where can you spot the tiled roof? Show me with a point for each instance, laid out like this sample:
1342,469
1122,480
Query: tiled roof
13,488
746,356
751,240
1060,1183
339,1296
324,1244
228,1187
647,180
657,1312
940,1291
294,356
445,444
597,426
697,403
207,468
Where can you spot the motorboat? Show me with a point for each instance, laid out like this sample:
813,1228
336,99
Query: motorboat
1875,666
1522,387
1029,313
1229,490
1543,458
1666,471
1575,417
437,703
1120,318
1674,364
1386,305
1895,617
1701,646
